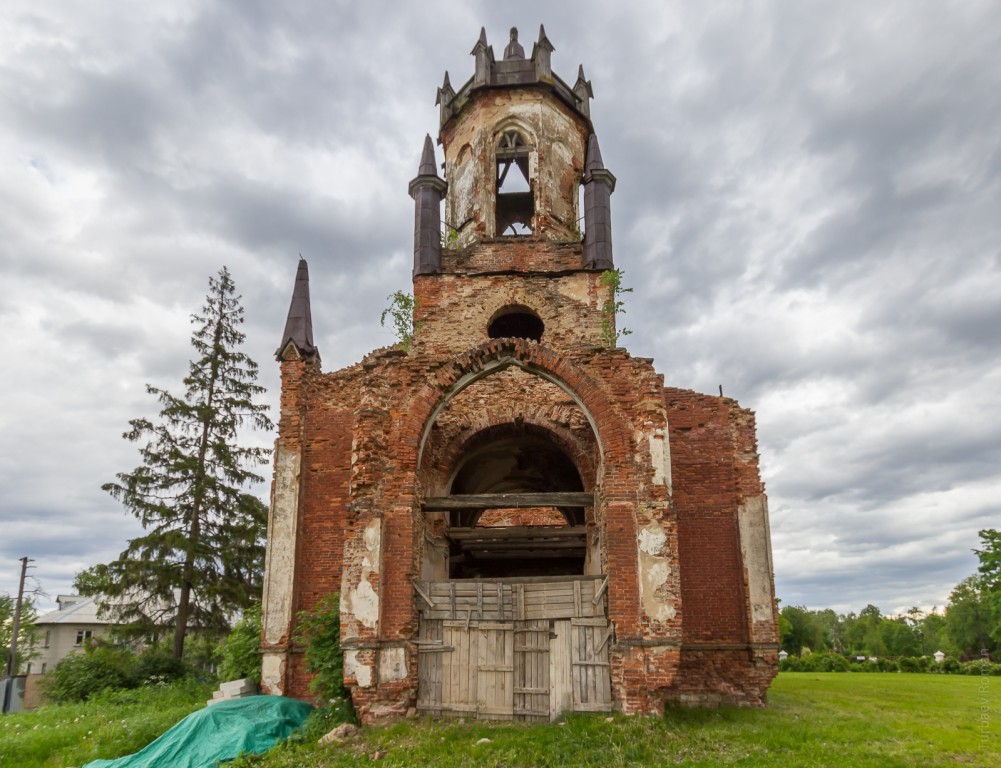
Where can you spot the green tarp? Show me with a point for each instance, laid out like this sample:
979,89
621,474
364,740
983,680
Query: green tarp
217,733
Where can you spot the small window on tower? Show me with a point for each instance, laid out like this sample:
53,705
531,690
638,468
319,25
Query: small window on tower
516,323
515,199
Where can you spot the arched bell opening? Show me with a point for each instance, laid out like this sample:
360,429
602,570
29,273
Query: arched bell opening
515,197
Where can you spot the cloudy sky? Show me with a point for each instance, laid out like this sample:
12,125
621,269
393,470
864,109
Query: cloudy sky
808,208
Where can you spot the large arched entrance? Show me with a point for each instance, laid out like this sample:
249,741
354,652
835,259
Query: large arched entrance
513,621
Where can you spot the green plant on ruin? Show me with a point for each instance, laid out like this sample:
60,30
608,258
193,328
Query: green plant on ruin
320,631
401,314
449,236
610,332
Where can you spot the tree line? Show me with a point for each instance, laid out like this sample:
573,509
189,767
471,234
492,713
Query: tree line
966,629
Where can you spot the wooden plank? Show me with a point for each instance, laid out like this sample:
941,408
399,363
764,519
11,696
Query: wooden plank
531,674
590,622
601,591
560,670
425,595
520,532
577,599
506,501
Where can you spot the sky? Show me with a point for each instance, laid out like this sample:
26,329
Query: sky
808,209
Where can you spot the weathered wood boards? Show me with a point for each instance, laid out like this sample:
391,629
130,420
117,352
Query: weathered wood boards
522,649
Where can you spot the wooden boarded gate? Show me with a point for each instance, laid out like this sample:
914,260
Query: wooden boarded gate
513,649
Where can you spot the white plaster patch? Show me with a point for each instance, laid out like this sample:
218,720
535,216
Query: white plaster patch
373,539
353,667
756,550
392,664
652,539
271,673
364,604
279,570
660,456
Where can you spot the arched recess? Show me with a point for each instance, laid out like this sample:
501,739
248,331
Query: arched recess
509,460
614,507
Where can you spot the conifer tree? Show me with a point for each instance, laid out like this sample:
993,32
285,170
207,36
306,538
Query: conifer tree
202,553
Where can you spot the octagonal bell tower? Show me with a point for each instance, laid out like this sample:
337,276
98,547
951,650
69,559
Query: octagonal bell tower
525,194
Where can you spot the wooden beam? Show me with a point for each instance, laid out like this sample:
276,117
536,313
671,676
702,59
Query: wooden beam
463,501
517,531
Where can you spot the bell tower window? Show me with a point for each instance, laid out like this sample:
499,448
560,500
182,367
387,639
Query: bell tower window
515,198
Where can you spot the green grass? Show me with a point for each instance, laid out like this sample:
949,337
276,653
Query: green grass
813,719
109,725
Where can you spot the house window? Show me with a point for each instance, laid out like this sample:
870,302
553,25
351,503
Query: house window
44,665
82,635
48,637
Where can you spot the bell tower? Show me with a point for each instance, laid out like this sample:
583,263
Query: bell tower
526,196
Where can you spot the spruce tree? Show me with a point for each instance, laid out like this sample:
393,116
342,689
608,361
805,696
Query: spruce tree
202,554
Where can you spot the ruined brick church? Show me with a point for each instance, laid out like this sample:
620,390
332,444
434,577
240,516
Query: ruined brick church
520,518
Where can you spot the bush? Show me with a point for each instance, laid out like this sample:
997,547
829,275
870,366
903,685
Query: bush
104,667
157,664
914,664
887,665
320,631
823,662
240,653
99,668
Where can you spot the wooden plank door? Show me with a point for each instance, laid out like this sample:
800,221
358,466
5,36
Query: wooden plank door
560,669
431,651
494,670
531,670
592,690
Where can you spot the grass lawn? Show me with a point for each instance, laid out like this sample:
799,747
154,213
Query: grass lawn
813,719
109,725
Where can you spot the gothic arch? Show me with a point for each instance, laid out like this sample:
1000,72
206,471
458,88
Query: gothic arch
614,502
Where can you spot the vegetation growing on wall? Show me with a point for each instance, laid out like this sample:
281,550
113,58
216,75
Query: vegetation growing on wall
615,306
401,315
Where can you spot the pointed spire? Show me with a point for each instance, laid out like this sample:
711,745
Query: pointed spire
427,166
593,162
481,44
443,99
542,57
583,91
427,189
299,325
484,59
543,40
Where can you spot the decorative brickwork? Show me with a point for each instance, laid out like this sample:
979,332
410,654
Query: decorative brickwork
485,466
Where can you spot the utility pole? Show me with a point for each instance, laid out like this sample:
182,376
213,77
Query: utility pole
12,659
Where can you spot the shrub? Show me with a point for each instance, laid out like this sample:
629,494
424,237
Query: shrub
950,666
157,664
105,667
240,653
99,668
913,664
824,662
320,631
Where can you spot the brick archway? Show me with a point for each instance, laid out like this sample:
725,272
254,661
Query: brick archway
614,507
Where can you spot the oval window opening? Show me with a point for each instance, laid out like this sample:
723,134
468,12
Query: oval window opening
516,325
